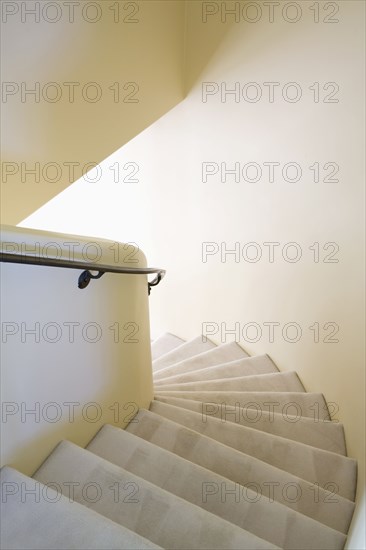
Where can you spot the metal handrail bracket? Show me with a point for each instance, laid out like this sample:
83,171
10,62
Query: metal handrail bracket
87,267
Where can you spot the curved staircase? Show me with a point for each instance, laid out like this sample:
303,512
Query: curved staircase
232,454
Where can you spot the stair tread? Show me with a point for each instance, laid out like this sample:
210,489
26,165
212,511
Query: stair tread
260,364
60,523
164,344
312,405
279,381
305,461
207,358
230,462
325,434
196,484
154,513
185,351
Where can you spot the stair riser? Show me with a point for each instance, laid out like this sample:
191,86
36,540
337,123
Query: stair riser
249,366
210,358
323,435
306,404
165,344
278,382
185,351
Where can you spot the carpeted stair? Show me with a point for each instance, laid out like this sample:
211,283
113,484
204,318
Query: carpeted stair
232,454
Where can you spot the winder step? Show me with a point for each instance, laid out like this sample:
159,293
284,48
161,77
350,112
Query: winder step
240,505
139,505
164,344
186,350
207,358
260,364
322,434
274,382
183,427
37,516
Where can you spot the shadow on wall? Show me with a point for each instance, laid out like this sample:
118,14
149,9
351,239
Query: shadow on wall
211,24
77,86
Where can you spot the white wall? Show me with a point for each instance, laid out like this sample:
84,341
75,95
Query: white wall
170,212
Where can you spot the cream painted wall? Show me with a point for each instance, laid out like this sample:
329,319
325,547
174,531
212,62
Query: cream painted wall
170,211
100,73
72,360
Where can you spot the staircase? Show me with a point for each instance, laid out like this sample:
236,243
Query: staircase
232,454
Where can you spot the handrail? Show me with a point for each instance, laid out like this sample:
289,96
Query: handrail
86,276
